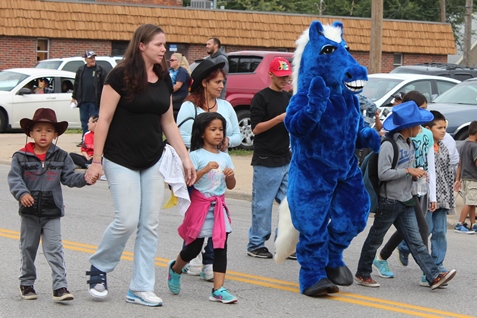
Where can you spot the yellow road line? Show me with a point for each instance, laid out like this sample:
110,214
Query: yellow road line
351,298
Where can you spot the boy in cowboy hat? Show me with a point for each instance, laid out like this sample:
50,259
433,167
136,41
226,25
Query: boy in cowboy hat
396,203
34,179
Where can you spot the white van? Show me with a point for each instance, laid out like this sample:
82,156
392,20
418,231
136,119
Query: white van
72,64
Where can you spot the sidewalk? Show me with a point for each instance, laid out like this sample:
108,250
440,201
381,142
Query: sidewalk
9,143
243,170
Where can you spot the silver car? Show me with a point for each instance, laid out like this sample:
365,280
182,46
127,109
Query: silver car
381,88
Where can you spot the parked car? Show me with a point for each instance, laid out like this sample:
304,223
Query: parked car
18,100
72,64
382,87
459,106
455,71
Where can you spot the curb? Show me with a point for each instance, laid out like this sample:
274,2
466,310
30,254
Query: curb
238,195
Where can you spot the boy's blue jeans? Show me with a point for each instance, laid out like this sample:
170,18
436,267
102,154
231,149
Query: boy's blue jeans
403,217
269,184
437,222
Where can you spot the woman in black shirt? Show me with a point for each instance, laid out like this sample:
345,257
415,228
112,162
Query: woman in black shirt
135,111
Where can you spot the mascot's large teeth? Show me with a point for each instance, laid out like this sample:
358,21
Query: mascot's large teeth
355,86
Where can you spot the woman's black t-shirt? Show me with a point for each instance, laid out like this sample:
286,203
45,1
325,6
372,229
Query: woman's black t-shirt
135,135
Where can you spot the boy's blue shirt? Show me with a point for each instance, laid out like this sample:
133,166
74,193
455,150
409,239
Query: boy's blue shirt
423,143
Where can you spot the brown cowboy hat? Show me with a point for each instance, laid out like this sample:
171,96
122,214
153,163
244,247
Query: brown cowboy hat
202,71
43,115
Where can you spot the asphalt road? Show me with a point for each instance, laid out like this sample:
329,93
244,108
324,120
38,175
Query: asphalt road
263,288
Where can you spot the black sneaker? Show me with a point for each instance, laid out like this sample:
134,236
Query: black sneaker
293,256
62,294
80,144
261,252
28,292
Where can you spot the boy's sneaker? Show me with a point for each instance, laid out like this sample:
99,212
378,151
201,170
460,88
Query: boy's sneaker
28,292
207,273
103,178
443,278
62,294
192,270
261,252
98,286
381,266
223,296
474,227
366,281
293,256
143,298
460,228
403,257
425,283
173,279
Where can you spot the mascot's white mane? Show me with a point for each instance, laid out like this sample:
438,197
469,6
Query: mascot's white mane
331,32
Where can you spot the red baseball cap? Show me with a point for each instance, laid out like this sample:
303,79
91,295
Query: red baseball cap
280,67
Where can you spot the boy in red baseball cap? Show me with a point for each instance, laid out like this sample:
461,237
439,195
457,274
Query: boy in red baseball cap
271,154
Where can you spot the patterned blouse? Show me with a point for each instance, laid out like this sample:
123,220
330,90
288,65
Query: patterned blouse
444,178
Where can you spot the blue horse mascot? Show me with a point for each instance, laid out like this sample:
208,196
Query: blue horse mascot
327,200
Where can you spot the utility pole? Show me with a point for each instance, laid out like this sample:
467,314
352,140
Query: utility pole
467,32
443,10
375,51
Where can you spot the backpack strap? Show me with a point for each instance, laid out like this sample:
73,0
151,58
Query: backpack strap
188,118
395,157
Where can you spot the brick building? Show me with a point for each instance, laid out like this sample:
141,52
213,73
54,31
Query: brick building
31,30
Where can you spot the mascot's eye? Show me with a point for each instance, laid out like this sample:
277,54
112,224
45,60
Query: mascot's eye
328,49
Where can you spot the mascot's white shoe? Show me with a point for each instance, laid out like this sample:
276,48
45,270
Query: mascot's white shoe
287,238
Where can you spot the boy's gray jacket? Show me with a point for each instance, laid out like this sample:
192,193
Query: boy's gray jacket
28,174
398,186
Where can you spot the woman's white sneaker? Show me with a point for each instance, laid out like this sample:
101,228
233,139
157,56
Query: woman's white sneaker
148,298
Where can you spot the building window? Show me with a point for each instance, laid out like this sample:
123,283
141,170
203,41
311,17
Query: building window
178,48
397,59
119,47
42,49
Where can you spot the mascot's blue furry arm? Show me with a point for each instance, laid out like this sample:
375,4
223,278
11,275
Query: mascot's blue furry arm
327,201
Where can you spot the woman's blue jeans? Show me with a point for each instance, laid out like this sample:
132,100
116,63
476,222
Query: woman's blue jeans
403,217
137,196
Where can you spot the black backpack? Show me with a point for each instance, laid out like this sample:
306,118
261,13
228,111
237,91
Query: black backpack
369,168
